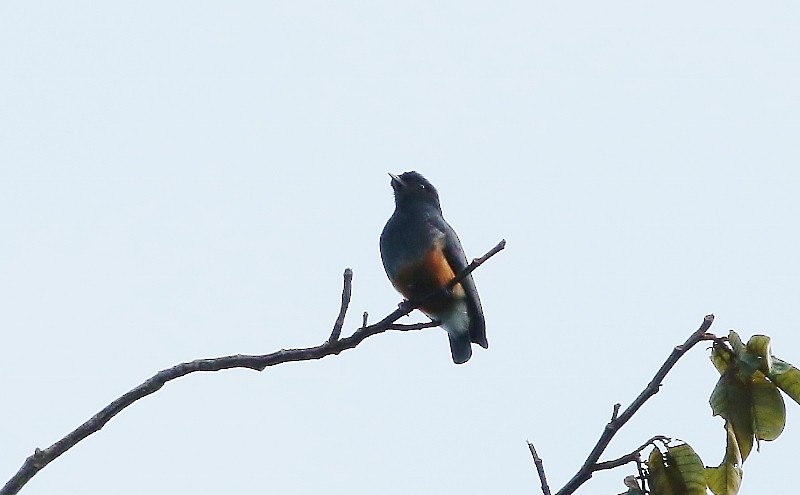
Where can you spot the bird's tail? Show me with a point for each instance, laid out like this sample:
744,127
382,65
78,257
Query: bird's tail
460,346
456,323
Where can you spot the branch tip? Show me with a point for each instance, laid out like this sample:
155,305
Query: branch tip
615,412
537,461
347,289
618,420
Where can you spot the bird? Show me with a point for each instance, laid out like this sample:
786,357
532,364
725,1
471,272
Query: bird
421,254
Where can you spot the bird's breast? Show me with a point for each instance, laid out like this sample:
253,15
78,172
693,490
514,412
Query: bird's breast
422,278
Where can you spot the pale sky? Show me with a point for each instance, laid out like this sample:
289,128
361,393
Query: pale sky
187,180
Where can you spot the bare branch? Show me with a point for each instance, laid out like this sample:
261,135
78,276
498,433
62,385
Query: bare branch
590,465
334,345
631,457
346,292
537,461
415,326
476,263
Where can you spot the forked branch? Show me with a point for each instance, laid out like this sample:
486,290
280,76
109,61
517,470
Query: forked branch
618,419
334,345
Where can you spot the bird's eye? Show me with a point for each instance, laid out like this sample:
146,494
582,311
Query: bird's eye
422,186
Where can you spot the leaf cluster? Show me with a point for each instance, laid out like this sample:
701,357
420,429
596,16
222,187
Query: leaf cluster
748,397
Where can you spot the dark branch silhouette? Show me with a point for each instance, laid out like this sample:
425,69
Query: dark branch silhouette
630,457
619,419
334,345
347,290
537,461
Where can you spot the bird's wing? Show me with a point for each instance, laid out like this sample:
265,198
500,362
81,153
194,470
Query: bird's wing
455,256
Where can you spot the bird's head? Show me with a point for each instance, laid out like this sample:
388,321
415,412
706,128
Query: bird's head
411,188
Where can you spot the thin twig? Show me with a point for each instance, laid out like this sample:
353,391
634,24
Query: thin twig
414,326
640,468
476,263
455,281
630,457
537,461
347,290
334,345
590,465
615,413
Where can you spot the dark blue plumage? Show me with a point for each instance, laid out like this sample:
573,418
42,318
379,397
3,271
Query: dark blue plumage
422,253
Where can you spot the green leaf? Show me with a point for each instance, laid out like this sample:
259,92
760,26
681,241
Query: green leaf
769,410
736,343
657,474
721,357
760,346
787,377
692,472
726,478
744,397
747,363
731,400
679,472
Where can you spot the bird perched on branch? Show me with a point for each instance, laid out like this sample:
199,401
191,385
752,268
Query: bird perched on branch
421,254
